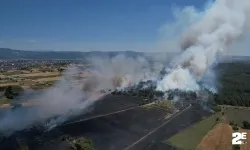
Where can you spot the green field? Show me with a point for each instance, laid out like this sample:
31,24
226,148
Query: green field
4,101
237,115
189,138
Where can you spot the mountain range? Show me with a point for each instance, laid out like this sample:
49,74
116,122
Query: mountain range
6,53
10,54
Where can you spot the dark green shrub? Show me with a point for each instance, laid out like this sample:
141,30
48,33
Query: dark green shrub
246,125
231,123
82,144
236,147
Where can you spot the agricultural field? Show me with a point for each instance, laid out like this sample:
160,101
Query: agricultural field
219,137
214,132
29,79
189,138
247,145
22,76
237,114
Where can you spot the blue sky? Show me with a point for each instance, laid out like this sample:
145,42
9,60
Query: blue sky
85,25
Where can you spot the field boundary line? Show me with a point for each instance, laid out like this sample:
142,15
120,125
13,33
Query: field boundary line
99,116
155,129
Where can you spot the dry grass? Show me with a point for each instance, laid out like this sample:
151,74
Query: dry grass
237,114
5,106
9,84
39,74
245,146
219,138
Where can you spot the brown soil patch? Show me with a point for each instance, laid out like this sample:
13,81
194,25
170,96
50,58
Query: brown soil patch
24,104
245,146
5,106
9,84
40,74
219,138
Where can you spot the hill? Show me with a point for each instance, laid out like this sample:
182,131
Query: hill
6,53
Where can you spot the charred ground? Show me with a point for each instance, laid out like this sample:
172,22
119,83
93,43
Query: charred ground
120,120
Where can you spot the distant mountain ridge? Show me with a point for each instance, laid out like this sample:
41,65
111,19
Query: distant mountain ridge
10,54
6,53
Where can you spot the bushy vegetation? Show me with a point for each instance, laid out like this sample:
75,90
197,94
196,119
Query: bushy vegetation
237,115
82,144
21,144
11,92
236,147
233,83
5,101
23,147
246,124
78,143
147,90
42,85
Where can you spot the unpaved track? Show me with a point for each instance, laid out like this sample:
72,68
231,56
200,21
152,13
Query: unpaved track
157,128
179,122
99,116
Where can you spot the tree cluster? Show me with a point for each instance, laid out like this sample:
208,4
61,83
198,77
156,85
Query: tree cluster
147,90
11,92
233,84
80,143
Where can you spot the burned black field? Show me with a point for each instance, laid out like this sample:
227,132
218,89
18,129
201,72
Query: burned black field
115,122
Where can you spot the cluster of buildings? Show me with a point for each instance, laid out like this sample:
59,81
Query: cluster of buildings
26,64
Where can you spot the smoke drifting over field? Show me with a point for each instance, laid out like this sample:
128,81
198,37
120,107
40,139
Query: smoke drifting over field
210,33
63,99
72,95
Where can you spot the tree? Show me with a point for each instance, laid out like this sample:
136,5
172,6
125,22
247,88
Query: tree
60,70
246,125
9,92
12,91
217,119
235,127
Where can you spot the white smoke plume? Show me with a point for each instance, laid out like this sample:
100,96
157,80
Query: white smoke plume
223,23
121,71
72,95
61,99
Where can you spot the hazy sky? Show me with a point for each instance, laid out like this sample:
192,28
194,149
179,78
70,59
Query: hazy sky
85,25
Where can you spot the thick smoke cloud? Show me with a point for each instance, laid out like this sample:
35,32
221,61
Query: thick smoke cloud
121,71
223,23
72,95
